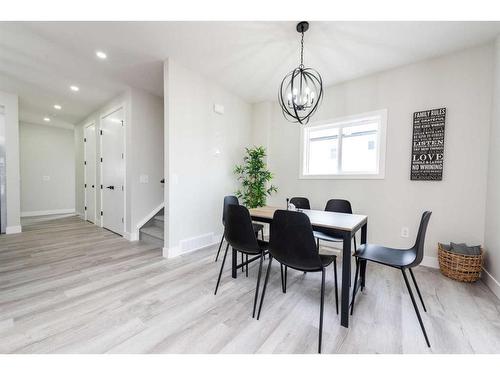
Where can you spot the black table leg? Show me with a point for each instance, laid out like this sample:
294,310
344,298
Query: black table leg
363,262
346,279
234,264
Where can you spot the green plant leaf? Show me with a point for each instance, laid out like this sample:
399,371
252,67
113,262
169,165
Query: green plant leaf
254,178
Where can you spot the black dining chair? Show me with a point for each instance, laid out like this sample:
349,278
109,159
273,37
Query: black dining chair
228,200
331,235
334,205
292,244
240,235
402,259
300,203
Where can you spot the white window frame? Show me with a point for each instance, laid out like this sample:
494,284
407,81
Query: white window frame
340,123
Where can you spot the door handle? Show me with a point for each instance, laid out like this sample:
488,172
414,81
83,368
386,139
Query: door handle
111,187
162,181
92,186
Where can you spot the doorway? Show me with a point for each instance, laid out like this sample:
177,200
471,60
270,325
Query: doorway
113,171
90,172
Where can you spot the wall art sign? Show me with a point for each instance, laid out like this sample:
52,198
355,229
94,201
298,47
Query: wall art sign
428,145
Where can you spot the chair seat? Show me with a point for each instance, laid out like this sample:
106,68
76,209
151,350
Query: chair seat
386,255
264,245
326,260
326,237
257,227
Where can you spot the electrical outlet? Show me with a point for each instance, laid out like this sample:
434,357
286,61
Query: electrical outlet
405,232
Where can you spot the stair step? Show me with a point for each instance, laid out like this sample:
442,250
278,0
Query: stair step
153,231
146,238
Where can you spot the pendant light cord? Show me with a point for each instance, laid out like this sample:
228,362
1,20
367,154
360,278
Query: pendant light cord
302,51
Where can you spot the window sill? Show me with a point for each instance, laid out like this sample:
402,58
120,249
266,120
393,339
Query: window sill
343,177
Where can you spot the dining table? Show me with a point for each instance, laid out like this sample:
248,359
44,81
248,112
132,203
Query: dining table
345,224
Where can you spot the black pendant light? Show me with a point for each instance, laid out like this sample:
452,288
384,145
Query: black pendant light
301,90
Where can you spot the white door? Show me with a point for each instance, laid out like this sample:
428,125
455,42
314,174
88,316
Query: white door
113,172
90,175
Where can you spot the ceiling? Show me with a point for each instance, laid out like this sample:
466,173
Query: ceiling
40,60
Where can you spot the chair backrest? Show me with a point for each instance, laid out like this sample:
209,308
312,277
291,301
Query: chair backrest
339,205
238,230
292,241
301,202
228,200
419,242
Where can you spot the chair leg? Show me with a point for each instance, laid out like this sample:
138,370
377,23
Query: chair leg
265,285
286,274
355,247
221,268
262,233
247,266
336,284
355,285
282,279
321,309
242,267
220,246
258,284
416,287
415,307
317,244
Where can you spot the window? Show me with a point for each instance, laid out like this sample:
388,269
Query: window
351,147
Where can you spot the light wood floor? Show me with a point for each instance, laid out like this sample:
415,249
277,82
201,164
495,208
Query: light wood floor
67,286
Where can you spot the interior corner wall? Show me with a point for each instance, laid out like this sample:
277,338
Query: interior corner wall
461,82
10,102
47,159
492,217
202,148
261,117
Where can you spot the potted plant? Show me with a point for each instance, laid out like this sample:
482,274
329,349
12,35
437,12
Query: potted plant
254,177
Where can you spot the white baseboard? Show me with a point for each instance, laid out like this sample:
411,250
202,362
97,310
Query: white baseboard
13,229
48,212
431,262
184,248
131,236
491,282
143,222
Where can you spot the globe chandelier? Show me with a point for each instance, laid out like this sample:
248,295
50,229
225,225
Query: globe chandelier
301,90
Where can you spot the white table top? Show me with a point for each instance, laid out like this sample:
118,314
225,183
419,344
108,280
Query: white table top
325,219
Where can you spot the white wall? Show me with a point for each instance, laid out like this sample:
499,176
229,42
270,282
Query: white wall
198,177
144,155
492,221
46,151
10,102
462,83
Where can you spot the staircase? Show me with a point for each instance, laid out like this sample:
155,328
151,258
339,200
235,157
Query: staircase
152,231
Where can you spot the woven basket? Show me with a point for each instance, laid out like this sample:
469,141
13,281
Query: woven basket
465,268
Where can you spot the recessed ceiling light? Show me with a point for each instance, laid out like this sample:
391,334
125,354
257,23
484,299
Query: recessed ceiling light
46,119
74,88
101,55
57,106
